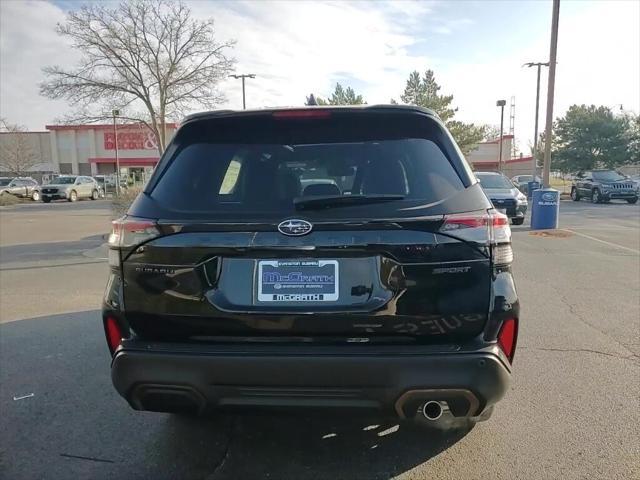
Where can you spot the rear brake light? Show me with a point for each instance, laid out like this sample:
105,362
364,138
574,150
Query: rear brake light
113,332
508,336
486,227
306,113
458,221
129,231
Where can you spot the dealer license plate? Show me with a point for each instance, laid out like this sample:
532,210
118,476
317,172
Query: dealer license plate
298,280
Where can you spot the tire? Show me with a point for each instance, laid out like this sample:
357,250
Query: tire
73,196
632,200
575,196
35,196
595,196
95,195
517,221
46,200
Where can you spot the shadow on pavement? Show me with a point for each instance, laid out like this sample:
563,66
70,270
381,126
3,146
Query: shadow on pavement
68,422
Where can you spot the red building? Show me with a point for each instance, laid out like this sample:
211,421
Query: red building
90,149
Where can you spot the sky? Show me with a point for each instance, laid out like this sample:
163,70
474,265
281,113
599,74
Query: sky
476,49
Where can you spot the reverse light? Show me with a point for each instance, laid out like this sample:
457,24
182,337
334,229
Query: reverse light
502,254
113,333
507,337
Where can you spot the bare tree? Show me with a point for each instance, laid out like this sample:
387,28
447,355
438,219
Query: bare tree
150,59
16,152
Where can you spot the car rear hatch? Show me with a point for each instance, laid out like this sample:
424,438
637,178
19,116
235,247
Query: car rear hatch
336,224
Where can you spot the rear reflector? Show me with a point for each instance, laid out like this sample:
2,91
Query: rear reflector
113,332
507,337
306,113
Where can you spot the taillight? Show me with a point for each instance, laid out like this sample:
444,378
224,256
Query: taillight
130,231
487,227
301,114
507,337
113,333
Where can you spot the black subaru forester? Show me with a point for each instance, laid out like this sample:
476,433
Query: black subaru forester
340,257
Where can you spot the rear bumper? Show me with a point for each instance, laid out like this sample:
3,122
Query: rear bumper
199,380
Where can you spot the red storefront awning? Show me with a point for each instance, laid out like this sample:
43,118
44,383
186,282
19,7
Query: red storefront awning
127,161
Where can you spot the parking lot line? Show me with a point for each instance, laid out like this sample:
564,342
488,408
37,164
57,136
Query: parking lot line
602,241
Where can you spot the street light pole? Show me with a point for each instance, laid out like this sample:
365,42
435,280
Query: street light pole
553,51
243,76
501,104
115,144
535,134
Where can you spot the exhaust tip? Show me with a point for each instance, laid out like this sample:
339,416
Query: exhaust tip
432,410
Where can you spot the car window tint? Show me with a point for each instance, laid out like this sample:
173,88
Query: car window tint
494,181
267,178
608,176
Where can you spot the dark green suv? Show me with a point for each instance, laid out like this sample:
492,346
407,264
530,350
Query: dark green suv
601,186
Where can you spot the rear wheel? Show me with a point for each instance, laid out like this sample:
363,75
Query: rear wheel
575,196
595,196
632,200
46,199
35,196
518,221
95,195
73,196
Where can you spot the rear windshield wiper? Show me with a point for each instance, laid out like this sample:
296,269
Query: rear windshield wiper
328,201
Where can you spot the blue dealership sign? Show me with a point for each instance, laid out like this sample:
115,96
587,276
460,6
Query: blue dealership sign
545,209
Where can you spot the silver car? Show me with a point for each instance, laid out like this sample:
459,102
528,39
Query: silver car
25,187
505,197
71,188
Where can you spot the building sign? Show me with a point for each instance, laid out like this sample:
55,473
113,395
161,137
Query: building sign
137,140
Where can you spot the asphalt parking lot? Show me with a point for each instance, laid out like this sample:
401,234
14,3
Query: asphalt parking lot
572,411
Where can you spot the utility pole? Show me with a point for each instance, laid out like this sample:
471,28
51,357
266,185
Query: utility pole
115,144
535,134
553,51
243,76
501,104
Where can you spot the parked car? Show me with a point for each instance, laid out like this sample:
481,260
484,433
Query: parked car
601,186
23,187
104,182
504,195
71,188
393,294
521,182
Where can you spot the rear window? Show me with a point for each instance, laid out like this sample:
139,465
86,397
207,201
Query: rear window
254,178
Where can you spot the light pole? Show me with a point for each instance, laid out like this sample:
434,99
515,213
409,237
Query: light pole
115,144
501,104
535,134
553,51
243,76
